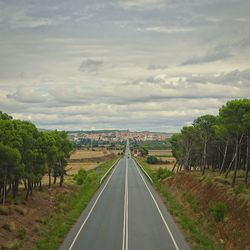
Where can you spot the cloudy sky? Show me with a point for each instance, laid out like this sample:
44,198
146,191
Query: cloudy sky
136,64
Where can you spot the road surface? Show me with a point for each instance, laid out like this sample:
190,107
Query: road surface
125,214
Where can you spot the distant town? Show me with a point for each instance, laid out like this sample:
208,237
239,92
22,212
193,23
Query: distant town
103,137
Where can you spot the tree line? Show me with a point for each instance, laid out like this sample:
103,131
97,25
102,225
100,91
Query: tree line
220,143
27,155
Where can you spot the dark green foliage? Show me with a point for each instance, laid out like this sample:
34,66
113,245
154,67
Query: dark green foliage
217,211
81,177
27,154
152,159
219,143
150,145
143,151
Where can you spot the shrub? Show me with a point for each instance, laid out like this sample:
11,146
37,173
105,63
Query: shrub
163,173
9,226
21,233
152,159
239,188
80,177
217,210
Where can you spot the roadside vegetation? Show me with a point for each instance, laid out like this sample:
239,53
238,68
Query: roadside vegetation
149,145
217,143
195,234
69,207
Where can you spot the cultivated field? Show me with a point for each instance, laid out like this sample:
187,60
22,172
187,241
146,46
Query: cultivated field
167,152
164,155
89,159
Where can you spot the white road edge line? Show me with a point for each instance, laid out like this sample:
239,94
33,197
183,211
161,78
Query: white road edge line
165,223
125,211
109,171
144,171
127,205
73,242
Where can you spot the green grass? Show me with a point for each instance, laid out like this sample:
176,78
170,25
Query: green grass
199,239
187,196
68,208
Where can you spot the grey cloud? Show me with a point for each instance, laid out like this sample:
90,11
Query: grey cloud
240,78
27,96
91,65
213,56
157,67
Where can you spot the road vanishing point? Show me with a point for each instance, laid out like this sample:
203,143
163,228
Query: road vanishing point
125,214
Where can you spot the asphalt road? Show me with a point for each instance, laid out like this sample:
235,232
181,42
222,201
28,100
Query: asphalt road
125,214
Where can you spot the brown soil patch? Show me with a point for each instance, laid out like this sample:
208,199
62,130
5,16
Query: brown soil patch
29,215
234,231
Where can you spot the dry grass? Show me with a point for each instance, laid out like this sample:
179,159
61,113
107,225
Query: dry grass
88,154
160,152
157,166
75,166
83,154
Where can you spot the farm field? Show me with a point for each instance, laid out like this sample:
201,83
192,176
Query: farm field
164,155
89,159
165,152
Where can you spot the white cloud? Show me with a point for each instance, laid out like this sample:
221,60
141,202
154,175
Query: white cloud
116,64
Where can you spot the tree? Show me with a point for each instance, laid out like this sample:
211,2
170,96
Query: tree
233,116
217,143
4,116
27,155
143,151
9,162
205,125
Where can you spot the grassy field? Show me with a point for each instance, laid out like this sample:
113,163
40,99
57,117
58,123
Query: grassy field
161,153
89,159
84,153
164,155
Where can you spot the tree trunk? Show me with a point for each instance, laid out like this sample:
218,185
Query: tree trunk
230,165
4,185
224,157
61,180
235,164
204,156
40,185
247,165
174,166
28,190
49,173
237,159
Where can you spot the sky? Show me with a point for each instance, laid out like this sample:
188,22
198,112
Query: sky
122,64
